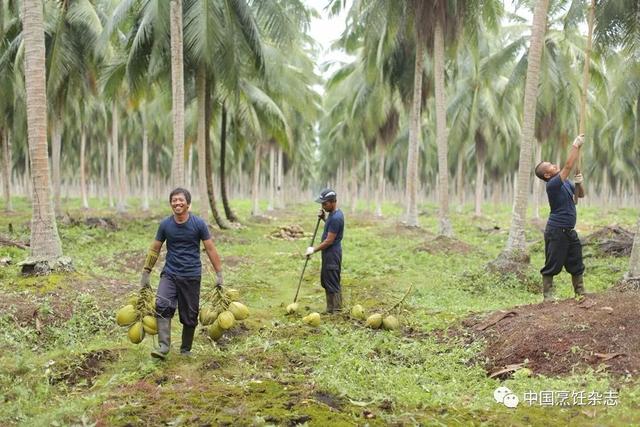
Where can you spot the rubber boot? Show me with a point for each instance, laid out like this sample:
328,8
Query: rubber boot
547,288
578,285
187,339
337,302
164,339
329,299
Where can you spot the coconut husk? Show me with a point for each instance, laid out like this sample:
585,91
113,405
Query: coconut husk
288,232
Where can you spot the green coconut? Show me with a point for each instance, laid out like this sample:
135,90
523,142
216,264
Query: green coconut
133,300
215,331
293,308
239,310
150,325
232,294
312,319
390,323
126,315
357,312
136,333
226,320
208,316
374,321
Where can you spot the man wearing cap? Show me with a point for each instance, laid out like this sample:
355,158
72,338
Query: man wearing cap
331,248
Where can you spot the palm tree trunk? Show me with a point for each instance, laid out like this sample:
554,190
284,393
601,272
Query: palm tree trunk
115,153
516,245
223,158
272,158
83,167
189,180
5,141
202,172
56,148
45,241
255,186
479,186
209,158
441,131
415,138
280,178
380,189
110,173
353,180
123,174
145,166
634,259
537,187
367,178
460,182
177,90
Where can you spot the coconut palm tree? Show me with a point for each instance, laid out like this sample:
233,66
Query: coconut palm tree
45,241
516,245
617,26
177,90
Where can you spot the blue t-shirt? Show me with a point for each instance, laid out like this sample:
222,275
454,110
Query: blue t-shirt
563,208
334,224
183,245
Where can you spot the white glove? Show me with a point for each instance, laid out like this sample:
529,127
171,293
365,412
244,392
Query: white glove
309,251
578,178
578,141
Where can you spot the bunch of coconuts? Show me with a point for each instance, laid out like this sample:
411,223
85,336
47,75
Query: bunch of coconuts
139,315
375,320
221,312
311,319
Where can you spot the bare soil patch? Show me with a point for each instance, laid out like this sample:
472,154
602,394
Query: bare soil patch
554,338
446,245
83,370
26,308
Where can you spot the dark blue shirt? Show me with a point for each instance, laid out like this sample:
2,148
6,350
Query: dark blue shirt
183,245
334,224
563,208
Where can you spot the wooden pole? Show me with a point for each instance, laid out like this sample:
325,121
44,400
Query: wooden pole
585,76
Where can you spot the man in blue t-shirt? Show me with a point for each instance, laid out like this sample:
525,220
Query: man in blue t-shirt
180,278
562,247
331,248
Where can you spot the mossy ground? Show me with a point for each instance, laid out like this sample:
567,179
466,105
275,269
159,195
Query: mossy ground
63,361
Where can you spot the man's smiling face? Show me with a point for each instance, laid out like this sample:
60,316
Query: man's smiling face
179,204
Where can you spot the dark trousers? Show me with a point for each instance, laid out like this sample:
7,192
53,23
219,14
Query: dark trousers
330,272
562,248
179,292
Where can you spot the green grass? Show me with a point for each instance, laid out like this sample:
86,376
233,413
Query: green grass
268,372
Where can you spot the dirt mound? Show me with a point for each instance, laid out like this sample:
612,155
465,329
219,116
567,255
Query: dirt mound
558,337
446,245
288,232
612,240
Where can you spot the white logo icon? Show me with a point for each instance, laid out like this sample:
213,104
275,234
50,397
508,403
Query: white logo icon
505,396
